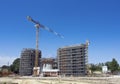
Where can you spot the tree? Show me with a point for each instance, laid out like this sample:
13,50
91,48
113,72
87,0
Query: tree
5,67
108,64
119,68
96,67
92,68
114,66
15,66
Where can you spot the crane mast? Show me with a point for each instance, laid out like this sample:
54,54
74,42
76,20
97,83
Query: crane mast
36,69
37,46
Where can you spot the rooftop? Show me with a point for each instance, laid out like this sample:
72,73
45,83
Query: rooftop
76,45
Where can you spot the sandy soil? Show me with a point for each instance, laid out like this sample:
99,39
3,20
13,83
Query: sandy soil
63,80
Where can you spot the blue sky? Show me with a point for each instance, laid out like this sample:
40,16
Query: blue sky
77,20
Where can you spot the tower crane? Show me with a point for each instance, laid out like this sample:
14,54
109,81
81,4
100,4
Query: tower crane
36,68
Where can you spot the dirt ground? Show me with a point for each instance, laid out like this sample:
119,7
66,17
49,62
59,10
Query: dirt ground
60,80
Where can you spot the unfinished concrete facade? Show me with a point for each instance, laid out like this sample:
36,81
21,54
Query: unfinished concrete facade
49,67
73,60
27,61
51,61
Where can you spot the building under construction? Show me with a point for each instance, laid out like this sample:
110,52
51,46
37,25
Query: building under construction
51,61
73,60
49,67
27,61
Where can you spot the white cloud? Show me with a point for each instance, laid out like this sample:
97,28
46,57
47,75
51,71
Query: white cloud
5,60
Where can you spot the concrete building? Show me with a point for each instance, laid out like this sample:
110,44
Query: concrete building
73,60
49,67
27,61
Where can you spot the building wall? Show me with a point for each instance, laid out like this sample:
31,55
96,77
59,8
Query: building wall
27,61
72,60
49,67
49,61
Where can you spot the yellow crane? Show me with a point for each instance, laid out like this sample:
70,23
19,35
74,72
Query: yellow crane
36,69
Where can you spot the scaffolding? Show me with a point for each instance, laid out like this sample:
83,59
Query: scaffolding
49,67
27,61
51,61
73,60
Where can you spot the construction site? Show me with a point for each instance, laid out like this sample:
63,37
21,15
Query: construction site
69,67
